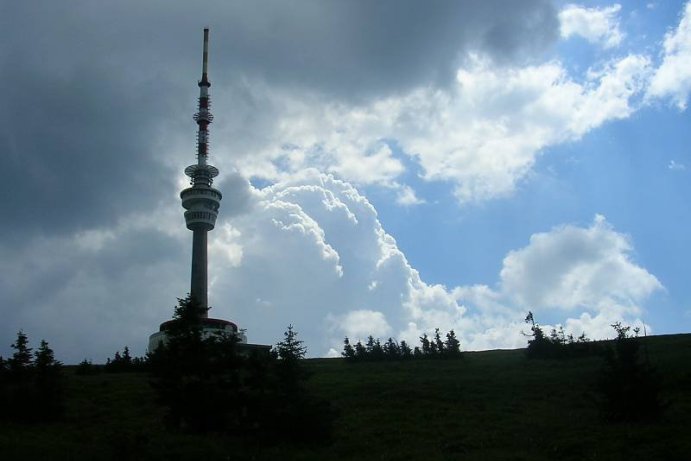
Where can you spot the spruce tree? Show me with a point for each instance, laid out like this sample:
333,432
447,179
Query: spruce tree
452,346
21,361
426,345
48,382
369,346
438,343
392,350
295,414
126,357
432,348
197,379
406,352
348,350
291,349
360,351
377,350
45,358
290,352
31,388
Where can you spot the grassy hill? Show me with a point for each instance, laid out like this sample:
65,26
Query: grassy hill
487,405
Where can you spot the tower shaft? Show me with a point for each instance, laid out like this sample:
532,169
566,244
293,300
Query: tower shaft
198,290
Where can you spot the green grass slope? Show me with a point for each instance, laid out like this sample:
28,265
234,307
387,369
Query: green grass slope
486,406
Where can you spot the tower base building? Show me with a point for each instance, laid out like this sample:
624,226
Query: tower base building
210,328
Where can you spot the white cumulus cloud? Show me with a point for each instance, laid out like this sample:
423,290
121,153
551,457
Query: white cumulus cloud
572,267
673,78
483,134
406,196
596,25
589,272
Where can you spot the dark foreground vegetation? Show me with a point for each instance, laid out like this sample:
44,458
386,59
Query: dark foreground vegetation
486,405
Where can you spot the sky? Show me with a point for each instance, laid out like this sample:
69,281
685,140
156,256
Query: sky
387,168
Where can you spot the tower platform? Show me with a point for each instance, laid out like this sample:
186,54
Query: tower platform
210,328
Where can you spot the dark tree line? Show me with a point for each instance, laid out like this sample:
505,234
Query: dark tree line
31,388
121,362
556,344
124,362
628,386
373,350
206,385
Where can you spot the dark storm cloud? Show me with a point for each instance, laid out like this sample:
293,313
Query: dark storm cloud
86,84
76,153
76,142
356,48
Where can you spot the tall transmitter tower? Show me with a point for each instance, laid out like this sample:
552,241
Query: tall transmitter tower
201,203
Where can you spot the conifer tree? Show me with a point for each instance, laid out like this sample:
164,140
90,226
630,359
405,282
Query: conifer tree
31,391
45,358
49,399
438,343
432,348
391,349
369,346
290,352
309,418
21,362
406,352
126,358
426,345
291,348
452,346
348,350
193,375
539,346
360,351
86,367
377,350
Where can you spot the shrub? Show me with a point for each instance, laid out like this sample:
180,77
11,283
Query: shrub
629,384
86,367
556,345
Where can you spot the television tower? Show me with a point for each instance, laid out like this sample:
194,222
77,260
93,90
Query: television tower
201,201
